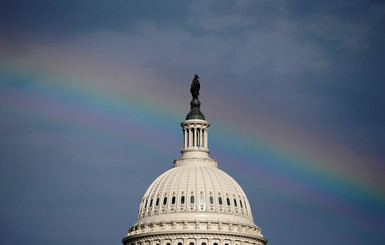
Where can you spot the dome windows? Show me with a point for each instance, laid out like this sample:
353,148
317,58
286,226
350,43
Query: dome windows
193,197
230,202
157,202
202,199
220,200
211,200
192,201
202,203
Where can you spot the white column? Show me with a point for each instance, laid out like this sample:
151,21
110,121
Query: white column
206,138
184,138
190,137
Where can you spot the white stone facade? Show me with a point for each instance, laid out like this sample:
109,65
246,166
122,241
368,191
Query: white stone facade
194,203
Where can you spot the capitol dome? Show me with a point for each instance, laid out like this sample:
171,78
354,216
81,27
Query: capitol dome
191,187
194,203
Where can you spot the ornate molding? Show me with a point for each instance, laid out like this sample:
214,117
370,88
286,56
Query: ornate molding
221,237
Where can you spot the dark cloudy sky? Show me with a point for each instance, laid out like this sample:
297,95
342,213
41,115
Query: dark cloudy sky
92,93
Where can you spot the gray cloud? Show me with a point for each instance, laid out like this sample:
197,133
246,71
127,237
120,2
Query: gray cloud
316,65
47,20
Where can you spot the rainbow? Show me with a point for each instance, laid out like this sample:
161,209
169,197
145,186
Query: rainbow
275,158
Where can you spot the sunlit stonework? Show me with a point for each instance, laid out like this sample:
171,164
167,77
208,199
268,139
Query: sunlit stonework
194,203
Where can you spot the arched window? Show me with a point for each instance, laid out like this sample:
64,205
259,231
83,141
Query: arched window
240,202
198,134
235,203
192,199
215,243
211,200
220,200
193,138
191,243
228,201
151,203
145,205
188,139
184,137
168,243
203,137
203,243
157,202
165,201
182,200
179,243
173,200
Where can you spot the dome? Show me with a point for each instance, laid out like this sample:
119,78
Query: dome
195,189
194,203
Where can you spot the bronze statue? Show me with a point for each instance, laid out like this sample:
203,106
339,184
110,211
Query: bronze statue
195,112
195,86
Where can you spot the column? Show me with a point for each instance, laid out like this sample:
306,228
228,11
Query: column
190,138
185,133
206,138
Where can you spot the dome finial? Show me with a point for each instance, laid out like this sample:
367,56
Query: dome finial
195,112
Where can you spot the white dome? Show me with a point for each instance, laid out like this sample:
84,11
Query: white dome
195,189
194,202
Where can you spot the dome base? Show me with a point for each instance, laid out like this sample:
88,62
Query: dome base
194,237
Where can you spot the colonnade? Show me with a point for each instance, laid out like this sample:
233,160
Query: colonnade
195,136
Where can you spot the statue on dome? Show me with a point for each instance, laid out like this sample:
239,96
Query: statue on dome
195,86
195,104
